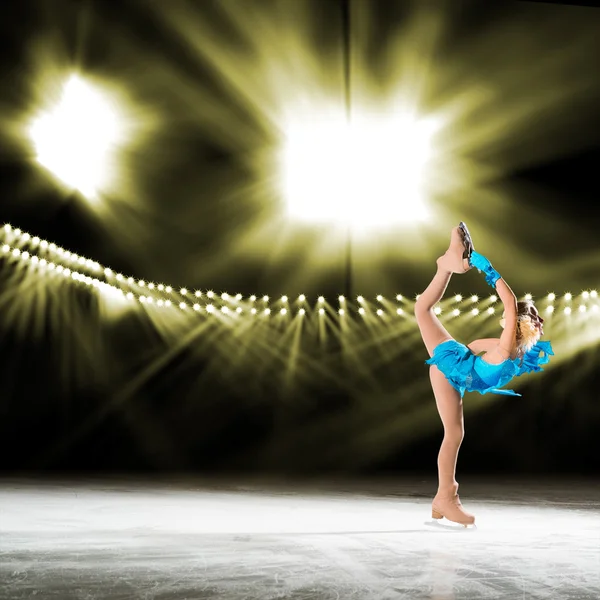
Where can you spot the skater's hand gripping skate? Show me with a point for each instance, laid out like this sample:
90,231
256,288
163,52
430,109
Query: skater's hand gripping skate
483,265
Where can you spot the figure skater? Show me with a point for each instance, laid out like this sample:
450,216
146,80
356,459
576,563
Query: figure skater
484,366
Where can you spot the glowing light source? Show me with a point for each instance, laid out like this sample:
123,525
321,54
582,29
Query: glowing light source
550,309
474,298
75,139
399,297
321,299
380,298
379,312
456,312
491,310
567,310
551,296
302,298
328,168
437,310
568,296
458,298
475,311
528,297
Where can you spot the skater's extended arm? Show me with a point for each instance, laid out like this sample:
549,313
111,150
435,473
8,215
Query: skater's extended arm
509,300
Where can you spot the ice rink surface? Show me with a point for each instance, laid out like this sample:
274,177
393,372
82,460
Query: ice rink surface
197,538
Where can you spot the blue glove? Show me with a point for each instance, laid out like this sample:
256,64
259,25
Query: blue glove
482,264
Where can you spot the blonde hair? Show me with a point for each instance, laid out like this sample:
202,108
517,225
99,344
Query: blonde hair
527,333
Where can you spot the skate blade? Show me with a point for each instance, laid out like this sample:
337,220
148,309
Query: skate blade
446,525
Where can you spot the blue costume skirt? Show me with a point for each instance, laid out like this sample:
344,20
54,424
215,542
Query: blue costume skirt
467,372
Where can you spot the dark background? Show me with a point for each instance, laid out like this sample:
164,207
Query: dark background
85,393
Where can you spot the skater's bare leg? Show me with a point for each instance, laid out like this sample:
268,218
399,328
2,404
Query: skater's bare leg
432,331
450,407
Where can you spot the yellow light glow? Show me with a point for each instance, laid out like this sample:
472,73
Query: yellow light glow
458,298
76,138
329,168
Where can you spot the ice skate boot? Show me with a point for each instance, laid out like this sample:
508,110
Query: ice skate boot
454,260
447,504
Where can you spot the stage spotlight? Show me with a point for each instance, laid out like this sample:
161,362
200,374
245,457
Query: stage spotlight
491,310
168,289
585,295
361,310
567,310
168,303
528,297
252,298
379,312
474,298
238,310
321,299
582,308
302,298
238,297
182,305
475,311
341,311
457,298
550,309
196,307
399,297
568,296
456,312
341,299
198,294
210,308
360,299
437,310
379,298
253,311
594,294
284,298
328,167
141,283
76,139
321,311
265,298
399,311
224,296
283,311
267,311
301,311
210,294
551,296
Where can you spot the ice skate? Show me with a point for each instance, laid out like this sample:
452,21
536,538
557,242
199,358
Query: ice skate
447,504
454,261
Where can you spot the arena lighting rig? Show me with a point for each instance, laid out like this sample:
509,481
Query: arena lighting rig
49,259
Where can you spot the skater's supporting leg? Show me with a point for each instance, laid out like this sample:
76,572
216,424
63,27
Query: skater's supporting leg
449,404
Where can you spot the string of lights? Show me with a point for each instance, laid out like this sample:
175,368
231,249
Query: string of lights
49,258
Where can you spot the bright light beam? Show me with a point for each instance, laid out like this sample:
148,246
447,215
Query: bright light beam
365,174
75,139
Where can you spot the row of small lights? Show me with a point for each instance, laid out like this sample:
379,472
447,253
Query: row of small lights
107,287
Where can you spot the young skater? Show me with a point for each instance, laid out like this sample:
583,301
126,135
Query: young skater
485,365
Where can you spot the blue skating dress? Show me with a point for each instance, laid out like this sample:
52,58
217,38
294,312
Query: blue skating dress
468,372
